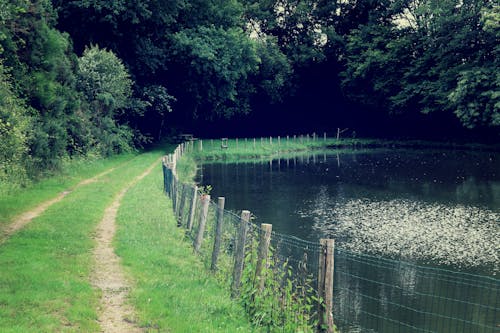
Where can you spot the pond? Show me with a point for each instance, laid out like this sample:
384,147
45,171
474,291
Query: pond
411,209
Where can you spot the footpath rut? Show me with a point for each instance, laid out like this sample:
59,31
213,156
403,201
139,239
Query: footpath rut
115,315
26,217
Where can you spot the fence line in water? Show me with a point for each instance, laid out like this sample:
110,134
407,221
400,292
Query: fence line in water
370,294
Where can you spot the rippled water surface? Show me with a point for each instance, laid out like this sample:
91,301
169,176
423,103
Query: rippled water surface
434,208
439,206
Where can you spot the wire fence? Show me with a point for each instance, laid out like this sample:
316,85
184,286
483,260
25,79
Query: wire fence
370,294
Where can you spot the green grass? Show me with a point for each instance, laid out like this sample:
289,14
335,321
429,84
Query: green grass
263,147
16,201
246,149
174,292
44,280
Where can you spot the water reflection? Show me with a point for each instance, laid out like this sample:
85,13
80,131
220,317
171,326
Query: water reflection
424,206
441,207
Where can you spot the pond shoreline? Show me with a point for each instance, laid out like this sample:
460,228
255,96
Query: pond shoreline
269,147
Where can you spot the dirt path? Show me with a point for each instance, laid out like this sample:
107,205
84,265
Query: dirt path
115,315
20,221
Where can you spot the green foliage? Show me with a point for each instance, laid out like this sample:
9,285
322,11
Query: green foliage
224,58
476,99
427,56
104,81
275,70
60,118
15,126
107,88
284,304
295,26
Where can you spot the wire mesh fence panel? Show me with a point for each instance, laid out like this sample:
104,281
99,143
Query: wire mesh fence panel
380,295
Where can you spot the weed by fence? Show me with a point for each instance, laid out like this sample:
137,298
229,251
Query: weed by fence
287,284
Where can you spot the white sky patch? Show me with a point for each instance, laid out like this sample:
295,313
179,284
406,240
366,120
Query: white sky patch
321,38
405,20
254,30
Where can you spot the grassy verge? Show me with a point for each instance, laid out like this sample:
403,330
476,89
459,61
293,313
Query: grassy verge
248,149
173,292
254,148
16,201
44,280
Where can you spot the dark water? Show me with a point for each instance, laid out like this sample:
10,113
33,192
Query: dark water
409,214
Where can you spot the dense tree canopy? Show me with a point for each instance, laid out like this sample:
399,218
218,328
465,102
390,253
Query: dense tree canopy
103,76
428,56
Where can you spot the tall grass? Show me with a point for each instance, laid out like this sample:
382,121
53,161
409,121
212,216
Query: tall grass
173,291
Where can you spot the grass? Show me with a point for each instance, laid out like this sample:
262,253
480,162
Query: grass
173,292
44,280
259,148
255,148
16,201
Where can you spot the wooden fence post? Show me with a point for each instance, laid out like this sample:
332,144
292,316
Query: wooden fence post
325,285
240,253
205,200
174,192
192,208
181,205
263,253
218,232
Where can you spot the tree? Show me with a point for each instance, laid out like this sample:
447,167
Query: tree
476,98
215,64
158,40
15,126
107,89
426,56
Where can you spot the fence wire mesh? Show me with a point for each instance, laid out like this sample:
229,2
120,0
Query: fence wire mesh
371,294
